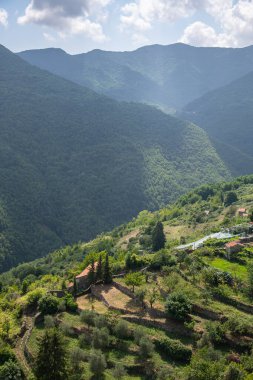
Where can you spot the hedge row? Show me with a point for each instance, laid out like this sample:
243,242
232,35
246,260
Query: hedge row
174,349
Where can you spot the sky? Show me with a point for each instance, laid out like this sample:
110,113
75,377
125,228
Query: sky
82,25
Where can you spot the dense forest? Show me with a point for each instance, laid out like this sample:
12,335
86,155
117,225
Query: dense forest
74,163
213,86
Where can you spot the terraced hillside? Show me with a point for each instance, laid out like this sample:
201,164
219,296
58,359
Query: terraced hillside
167,312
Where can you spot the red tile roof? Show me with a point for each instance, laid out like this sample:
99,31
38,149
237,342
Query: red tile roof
232,244
86,271
242,210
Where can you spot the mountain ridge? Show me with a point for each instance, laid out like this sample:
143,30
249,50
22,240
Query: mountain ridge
174,75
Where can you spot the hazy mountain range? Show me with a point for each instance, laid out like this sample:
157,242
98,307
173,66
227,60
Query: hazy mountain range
167,76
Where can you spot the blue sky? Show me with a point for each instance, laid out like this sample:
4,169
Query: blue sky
82,25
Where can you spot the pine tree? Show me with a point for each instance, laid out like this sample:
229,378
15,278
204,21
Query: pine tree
99,271
107,277
51,363
158,237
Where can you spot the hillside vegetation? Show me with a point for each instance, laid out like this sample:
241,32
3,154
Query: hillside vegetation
74,163
226,114
167,314
166,76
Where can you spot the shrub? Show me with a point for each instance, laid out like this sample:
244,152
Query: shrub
100,321
119,371
88,317
71,305
139,333
178,305
11,370
49,322
6,354
100,338
77,356
234,372
121,329
48,304
33,298
174,349
146,348
67,329
97,363
162,259
216,331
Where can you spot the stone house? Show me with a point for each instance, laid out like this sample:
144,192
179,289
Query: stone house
233,247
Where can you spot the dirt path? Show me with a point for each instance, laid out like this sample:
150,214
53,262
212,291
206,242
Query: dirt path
21,344
125,239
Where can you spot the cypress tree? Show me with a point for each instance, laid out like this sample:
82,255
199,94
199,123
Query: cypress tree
158,237
107,277
92,272
51,362
75,287
99,272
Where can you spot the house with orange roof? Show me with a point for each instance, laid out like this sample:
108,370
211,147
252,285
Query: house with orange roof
242,212
82,280
233,247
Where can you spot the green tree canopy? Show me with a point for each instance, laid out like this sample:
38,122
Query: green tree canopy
134,279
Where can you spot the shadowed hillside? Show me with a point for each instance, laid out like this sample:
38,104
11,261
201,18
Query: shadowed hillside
74,163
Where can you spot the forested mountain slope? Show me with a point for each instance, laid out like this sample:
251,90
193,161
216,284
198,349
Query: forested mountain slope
74,163
226,114
167,76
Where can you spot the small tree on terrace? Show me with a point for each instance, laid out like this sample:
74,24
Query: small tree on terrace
158,237
140,296
152,296
107,277
134,279
178,305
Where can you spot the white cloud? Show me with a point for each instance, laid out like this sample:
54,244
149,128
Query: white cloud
3,17
69,16
233,19
142,13
235,22
201,34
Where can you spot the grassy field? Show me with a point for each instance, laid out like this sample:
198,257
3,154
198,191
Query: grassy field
88,302
237,270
